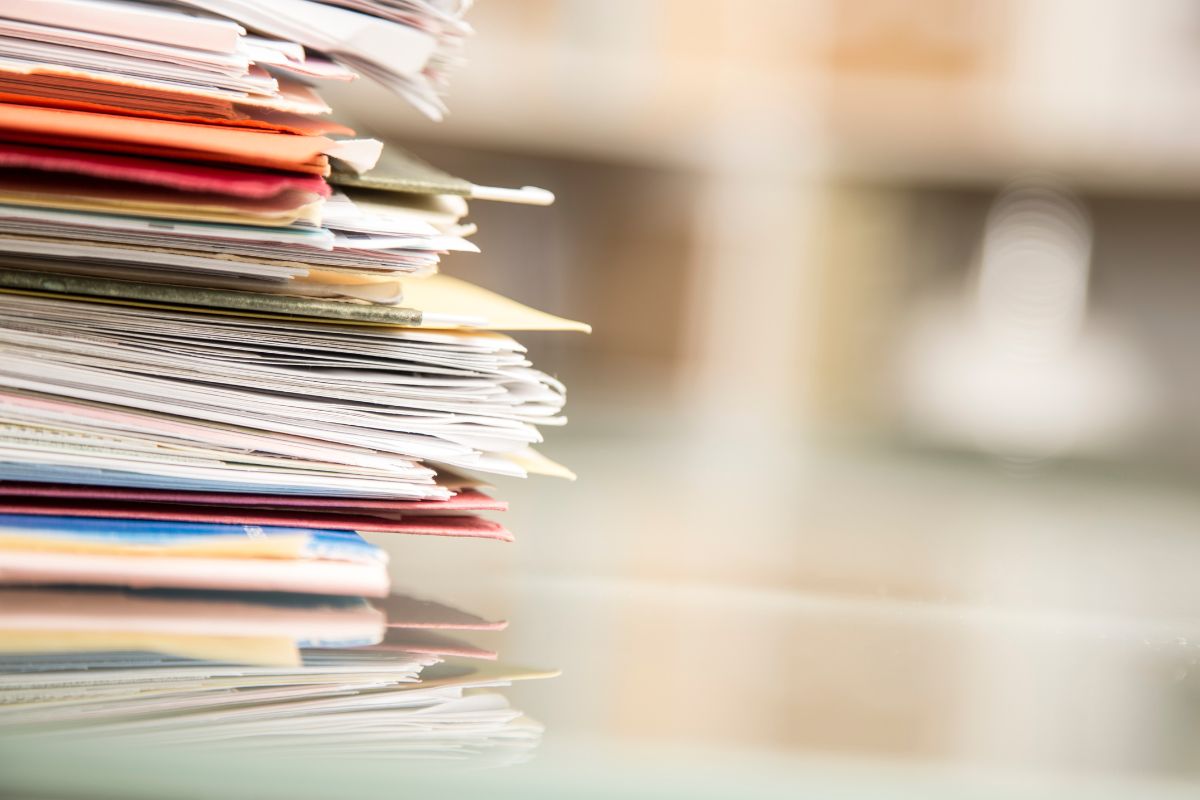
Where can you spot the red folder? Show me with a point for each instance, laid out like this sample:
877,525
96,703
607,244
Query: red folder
184,176
463,526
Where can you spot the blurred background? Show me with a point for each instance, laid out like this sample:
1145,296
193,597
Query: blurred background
887,434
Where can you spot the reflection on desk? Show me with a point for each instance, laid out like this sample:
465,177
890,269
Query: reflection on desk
290,675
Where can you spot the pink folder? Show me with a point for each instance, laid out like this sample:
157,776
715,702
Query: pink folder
465,500
466,526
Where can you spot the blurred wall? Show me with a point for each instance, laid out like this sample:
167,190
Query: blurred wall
753,202
774,215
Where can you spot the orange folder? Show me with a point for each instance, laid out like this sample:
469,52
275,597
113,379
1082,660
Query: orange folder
273,121
164,138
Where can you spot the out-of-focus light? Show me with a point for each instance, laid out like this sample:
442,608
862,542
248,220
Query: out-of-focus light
1017,366
1033,271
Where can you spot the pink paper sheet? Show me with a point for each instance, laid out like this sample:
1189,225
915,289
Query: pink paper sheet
170,572
55,609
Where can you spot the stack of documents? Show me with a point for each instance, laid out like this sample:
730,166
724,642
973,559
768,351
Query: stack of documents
295,674
226,352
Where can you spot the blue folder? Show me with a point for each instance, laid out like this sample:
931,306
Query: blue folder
322,542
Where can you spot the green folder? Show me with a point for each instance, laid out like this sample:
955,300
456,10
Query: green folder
401,171
225,299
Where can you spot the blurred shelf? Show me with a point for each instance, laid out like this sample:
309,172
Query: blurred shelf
978,133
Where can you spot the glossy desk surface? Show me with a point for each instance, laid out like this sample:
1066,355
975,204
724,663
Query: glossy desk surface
830,623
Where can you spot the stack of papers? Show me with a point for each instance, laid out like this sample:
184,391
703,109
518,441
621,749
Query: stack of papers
287,674
407,45
227,357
